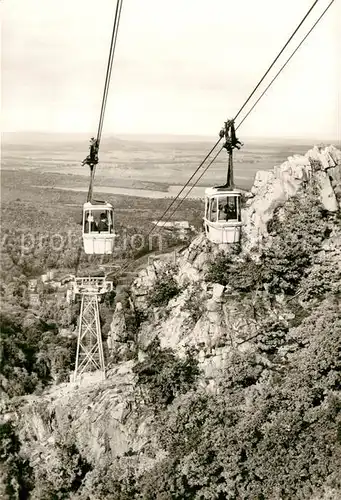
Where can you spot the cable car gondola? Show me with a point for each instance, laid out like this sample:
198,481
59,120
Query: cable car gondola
222,215
98,228
98,217
222,218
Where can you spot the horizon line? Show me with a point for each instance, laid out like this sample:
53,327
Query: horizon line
123,135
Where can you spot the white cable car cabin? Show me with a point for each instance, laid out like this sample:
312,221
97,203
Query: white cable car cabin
222,219
98,228
222,215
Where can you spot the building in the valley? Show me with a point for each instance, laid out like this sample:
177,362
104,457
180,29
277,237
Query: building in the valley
34,300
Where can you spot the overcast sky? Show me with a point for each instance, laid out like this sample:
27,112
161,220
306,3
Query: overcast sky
181,66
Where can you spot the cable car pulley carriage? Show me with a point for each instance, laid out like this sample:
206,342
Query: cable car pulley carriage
222,218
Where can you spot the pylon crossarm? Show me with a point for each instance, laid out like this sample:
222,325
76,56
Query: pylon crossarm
92,285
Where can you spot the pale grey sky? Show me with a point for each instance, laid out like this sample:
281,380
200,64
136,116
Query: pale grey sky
181,66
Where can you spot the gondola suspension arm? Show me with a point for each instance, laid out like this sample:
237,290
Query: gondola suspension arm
231,142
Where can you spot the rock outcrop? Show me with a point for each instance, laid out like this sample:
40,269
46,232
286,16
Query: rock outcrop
206,316
100,418
271,189
96,417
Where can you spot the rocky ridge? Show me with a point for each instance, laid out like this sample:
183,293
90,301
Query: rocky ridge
100,418
223,324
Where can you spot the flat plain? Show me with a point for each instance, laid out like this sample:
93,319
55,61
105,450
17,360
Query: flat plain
43,184
160,164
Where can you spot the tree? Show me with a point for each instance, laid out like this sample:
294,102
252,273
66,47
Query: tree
162,376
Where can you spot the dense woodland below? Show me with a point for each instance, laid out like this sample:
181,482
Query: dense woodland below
271,429
41,229
38,236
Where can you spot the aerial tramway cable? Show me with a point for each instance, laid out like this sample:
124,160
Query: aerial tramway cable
284,65
105,92
193,186
275,60
254,105
189,180
109,68
242,107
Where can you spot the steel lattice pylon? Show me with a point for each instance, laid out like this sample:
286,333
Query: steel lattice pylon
89,354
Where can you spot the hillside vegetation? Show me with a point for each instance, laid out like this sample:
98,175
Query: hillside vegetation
230,387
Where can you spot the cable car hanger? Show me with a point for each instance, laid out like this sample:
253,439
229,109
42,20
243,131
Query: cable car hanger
231,142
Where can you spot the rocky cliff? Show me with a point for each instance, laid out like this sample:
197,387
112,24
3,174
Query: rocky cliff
271,189
207,315
72,435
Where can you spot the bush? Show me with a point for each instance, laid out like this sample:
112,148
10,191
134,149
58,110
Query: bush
32,353
321,280
113,480
297,237
164,289
162,375
16,473
194,304
134,319
242,275
65,478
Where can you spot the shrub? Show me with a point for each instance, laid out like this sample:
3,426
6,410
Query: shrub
322,279
194,304
242,275
164,289
15,472
65,478
297,237
32,353
272,336
134,319
162,375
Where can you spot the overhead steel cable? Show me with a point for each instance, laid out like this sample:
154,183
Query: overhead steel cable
254,105
243,106
189,191
129,264
105,93
284,65
189,180
276,59
109,67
